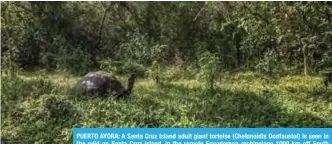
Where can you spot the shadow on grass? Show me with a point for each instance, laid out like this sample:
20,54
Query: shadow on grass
48,117
79,96
45,117
230,108
322,94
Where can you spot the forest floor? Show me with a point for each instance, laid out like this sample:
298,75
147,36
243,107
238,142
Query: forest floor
37,108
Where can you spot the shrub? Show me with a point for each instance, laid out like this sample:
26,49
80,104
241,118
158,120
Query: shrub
158,74
109,65
210,68
131,66
123,67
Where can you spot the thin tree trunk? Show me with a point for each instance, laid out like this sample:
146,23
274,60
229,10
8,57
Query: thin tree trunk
102,24
238,55
94,60
305,63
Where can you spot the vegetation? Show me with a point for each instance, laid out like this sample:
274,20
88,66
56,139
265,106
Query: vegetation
39,109
281,37
198,64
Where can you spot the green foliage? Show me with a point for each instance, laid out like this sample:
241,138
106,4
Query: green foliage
75,62
16,88
276,42
163,76
158,74
244,101
47,113
132,66
137,47
178,73
265,37
109,65
210,70
140,49
123,67
269,65
57,109
248,77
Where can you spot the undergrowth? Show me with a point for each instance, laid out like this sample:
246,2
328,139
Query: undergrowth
38,108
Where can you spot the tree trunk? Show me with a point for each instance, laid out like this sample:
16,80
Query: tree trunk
94,59
238,55
102,24
305,57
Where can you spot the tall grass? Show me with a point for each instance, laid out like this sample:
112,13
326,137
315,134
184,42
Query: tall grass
38,108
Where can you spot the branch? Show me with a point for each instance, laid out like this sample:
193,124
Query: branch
199,12
102,24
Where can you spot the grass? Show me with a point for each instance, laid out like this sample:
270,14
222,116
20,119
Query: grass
36,107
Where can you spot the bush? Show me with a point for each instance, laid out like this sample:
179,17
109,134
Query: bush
158,74
131,66
123,67
109,65
210,69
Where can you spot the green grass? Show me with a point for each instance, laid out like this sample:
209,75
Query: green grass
37,107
